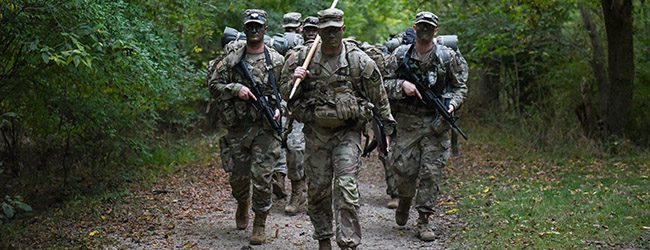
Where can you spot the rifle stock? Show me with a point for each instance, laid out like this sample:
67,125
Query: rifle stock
379,136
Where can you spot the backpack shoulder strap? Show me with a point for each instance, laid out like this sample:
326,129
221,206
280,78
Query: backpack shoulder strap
443,52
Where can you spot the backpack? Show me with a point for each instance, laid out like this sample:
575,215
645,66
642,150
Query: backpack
211,108
374,52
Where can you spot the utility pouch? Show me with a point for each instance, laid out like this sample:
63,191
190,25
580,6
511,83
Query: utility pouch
325,117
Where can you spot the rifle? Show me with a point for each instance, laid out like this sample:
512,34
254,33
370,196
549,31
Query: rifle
262,104
379,134
429,98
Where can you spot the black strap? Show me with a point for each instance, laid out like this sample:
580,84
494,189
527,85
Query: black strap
267,59
278,101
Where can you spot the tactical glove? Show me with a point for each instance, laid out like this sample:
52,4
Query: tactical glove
346,106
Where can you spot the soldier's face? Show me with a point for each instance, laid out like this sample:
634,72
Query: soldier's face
310,33
293,29
424,31
332,36
254,32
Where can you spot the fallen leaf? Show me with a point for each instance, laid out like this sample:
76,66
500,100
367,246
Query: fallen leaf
93,233
452,211
486,190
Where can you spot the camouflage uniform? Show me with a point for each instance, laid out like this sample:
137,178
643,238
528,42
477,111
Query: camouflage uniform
296,142
333,143
251,147
422,144
377,55
290,159
296,138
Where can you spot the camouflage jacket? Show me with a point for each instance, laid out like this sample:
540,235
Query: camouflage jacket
451,72
355,71
227,80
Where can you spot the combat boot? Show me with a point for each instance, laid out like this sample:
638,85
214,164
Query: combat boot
241,216
402,211
278,185
393,203
258,237
298,197
325,244
425,232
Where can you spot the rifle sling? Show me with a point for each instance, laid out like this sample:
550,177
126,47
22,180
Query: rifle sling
267,59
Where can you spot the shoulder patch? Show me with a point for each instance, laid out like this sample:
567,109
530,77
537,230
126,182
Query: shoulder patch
291,58
220,65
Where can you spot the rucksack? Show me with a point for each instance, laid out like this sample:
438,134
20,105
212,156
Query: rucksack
375,53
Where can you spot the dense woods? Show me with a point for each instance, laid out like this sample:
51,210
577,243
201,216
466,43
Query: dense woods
88,89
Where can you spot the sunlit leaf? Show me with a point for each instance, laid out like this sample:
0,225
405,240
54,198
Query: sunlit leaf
93,233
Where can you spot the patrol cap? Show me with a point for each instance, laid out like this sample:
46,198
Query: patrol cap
426,17
291,20
330,18
311,21
255,16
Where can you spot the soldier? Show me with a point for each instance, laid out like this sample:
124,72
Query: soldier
292,22
334,101
296,139
283,43
423,137
376,54
251,147
310,29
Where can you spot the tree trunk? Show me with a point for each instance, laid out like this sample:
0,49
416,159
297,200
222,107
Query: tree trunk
488,87
618,23
587,114
598,60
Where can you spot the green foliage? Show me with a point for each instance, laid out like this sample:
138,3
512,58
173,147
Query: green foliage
12,208
93,82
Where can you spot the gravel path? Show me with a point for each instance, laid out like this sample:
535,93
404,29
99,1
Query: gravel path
194,210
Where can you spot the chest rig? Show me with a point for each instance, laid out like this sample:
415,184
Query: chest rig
432,66
322,87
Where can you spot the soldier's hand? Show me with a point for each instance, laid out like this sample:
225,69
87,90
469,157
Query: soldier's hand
410,89
245,94
300,72
276,116
346,106
451,109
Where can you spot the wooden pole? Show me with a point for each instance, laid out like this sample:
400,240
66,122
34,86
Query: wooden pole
310,55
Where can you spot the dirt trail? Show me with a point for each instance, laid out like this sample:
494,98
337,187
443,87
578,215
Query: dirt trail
194,210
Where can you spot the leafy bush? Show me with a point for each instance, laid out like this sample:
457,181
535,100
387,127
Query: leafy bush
13,207
92,81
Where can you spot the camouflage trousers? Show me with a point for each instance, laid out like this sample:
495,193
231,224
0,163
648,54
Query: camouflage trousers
291,159
390,176
296,152
249,156
421,149
334,158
